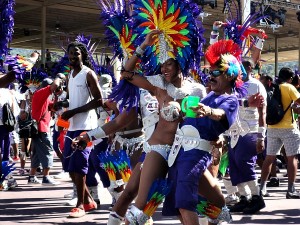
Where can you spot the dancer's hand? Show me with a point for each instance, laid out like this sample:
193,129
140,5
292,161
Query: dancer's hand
150,38
76,142
201,110
67,114
256,100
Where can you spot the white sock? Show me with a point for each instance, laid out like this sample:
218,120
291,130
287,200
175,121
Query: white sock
253,187
244,190
229,187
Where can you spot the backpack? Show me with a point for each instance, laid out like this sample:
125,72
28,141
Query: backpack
275,111
8,118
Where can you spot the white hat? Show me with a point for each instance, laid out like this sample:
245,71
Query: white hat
105,80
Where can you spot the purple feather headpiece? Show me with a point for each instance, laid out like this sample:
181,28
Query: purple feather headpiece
7,23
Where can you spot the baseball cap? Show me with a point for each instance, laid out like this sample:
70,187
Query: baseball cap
105,80
46,82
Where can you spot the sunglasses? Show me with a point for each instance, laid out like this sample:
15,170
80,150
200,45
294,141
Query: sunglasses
215,73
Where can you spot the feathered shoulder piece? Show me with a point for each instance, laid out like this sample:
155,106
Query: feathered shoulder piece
6,24
221,48
32,79
119,32
180,36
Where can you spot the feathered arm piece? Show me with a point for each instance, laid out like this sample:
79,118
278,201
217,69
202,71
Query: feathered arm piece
108,165
159,189
7,23
207,209
122,164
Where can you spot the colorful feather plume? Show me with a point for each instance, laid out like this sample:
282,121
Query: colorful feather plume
207,209
159,189
7,23
107,164
7,168
180,38
122,164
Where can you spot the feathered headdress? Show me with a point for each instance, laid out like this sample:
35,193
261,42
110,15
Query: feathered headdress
7,23
121,36
180,36
32,79
226,56
241,34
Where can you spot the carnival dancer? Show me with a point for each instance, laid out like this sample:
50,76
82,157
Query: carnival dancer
248,142
148,108
173,45
84,95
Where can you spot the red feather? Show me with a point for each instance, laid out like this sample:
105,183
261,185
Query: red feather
222,47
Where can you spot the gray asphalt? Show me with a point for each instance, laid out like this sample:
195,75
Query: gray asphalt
40,205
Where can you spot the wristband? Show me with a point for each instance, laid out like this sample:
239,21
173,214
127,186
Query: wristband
96,134
259,43
214,35
139,52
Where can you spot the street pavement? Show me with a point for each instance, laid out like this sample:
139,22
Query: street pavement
40,205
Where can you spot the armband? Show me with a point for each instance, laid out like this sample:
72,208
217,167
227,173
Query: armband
96,134
262,132
259,43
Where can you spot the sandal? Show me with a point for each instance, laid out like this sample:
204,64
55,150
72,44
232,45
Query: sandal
90,206
76,213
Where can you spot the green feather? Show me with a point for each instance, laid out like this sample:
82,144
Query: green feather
147,6
144,15
115,31
126,27
185,43
157,2
133,37
171,9
182,19
184,32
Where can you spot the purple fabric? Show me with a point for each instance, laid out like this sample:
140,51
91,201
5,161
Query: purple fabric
185,174
228,103
242,159
95,166
78,162
4,143
190,165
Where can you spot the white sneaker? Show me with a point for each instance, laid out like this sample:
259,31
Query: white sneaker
61,175
231,199
70,195
33,180
72,202
49,181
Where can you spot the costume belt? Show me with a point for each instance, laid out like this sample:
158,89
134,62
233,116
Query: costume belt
149,124
128,143
188,138
129,131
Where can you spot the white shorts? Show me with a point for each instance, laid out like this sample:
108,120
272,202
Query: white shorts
14,138
289,137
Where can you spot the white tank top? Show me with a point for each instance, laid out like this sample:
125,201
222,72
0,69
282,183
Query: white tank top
79,96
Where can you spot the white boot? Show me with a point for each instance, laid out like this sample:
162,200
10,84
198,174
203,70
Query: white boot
94,193
114,219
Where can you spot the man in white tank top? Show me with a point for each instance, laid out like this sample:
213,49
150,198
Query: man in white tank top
84,97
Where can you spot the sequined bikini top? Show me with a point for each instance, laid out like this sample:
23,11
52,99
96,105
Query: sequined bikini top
169,113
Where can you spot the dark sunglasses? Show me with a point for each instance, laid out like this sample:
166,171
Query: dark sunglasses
215,73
